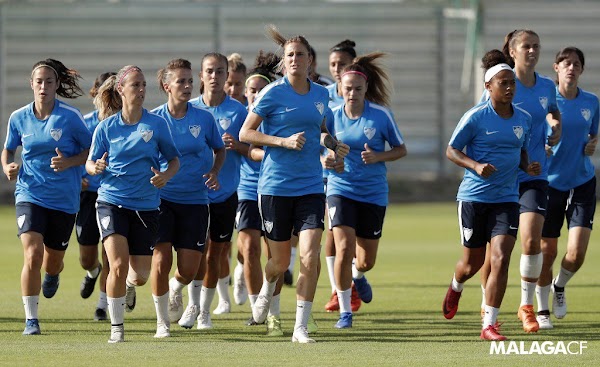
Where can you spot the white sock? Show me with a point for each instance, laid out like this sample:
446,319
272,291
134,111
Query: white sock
206,298
292,260
456,286
344,298
116,309
330,261
30,303
303,310
175,285
274,309
482,296
563,277
252,298
102,302
527,292
223,289
128,283
356,274
542,294
161,304
268,288
194,289
94,272
491,315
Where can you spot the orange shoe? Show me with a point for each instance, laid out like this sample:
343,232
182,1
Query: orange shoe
527,316
355,300
333,304
491,333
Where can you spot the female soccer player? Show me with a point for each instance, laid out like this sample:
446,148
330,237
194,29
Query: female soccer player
292,113
183,221
54,143
357,194
234,86
126,148
572,181
495,134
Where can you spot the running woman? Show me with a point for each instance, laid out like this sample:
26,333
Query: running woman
292,114
495,134
54,143
572,181
183,220
125,151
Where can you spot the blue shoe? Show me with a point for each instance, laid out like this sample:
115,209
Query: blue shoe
32,327
50,285
345,321
364,289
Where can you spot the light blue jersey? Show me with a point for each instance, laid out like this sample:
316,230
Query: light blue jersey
230,116
91,121
538,101
132,151
37,183
334,99
195,136
569,167
492,139
360,181
286,172
249,174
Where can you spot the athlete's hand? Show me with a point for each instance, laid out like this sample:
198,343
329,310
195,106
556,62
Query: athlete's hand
85,184
368,155
549,151
211,180
101,164
334,164
485,170
159,179
534,169
60,162
341,150
554,138
590,147
11,171
230,142
295,142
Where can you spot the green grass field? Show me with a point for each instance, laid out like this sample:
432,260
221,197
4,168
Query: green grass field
403,326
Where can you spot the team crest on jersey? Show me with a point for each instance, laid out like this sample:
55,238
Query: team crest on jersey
544,102
195,130
56,134
586,113
225,123
320,107
369,132
467,233
332,213
518,130
268,226
21,221
105,222
146,135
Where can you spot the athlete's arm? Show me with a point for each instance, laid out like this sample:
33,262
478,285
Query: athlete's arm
10,168
231,143
250,135
340,149
459,158
256,153
370,156
61,163
160,179
211,176
590,146
554,120
533,168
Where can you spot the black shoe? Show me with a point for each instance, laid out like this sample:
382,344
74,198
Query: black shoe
88,284
100,315
288,278
251,322
50,285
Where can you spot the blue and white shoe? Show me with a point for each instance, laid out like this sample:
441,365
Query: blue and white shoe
32,327
345,321
364,289
50,285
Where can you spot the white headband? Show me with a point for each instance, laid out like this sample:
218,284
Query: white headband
495,70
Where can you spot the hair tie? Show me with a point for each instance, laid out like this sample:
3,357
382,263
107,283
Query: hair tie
127,72
491,72
45,66
355,72
257,75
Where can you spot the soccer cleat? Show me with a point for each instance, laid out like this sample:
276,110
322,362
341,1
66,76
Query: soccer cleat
162,330
301,336
222,307
175,306
88,284
261,308
117,334
130,298
50,285
189,316
491,333
240,291
311,325
288,278
100,315
204,321
333,304
251,322
543,320
364,289
345,321
559,301
527,317
450,305
32,327
274,326
355,301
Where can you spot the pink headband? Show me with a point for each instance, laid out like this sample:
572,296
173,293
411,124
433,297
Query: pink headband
125,74
355,72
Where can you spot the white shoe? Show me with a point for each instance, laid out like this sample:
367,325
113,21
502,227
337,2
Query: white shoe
559,302
240,292
301,336
222,307
175,306
117,334
204,320
130,299
189,316
544,322
162,330
261,308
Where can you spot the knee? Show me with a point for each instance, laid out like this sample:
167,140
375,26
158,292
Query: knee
281,265
500,261
87,262
119,268
34,258
364,265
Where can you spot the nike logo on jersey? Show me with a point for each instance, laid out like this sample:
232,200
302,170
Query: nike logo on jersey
26,136
223,235
151,248
540,208
199,244
287,109
113,141
517,104
490,132
376,233
511,227
64,244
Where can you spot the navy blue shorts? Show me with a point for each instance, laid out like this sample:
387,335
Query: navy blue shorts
365,218
86,224
248,216
480,222
577,205
54,225
284,214
533,197
140,227
222,219
183,225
